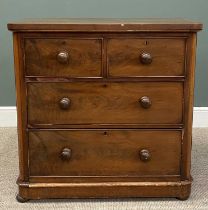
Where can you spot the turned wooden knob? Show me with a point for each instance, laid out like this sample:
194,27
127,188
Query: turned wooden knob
146,58
63,57
145,102
66,154
64,103
144,155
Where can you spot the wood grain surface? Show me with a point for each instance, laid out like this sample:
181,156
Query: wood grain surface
104,107
105,103
110,152
106,25
167,57
85,57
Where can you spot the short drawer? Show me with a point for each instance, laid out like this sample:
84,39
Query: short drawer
129,57
105,103
63,57
104,152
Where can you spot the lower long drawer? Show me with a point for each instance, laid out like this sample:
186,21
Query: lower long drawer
104,152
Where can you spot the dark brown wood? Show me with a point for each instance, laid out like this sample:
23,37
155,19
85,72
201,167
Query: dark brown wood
179,189
21,108
104,107
97,179
106,126
105,103
110,152
21,199
107,79
63,57
167,57
188,114
106,25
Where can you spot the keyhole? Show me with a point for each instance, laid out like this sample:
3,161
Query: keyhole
105,133
146,43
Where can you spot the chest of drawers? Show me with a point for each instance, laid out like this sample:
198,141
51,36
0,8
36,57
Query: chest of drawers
104,107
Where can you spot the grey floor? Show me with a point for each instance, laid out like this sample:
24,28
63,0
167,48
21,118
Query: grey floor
9,173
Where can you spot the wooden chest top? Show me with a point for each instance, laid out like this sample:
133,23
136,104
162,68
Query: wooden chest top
106,24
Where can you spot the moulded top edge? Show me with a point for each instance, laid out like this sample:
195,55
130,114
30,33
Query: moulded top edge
106,24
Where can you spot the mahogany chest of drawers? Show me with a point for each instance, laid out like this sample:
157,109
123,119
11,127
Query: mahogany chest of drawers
104,107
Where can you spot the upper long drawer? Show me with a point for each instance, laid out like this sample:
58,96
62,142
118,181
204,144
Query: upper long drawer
63,57
146,57
105,103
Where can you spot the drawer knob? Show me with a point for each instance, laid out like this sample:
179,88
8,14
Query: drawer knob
64,103
66,154
146,58
63,57
145,102
144,155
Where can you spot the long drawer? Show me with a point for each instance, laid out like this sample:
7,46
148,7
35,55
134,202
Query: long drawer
104,152
105,103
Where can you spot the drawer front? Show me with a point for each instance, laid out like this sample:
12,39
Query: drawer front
146,57
104,153
99,103
63,57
